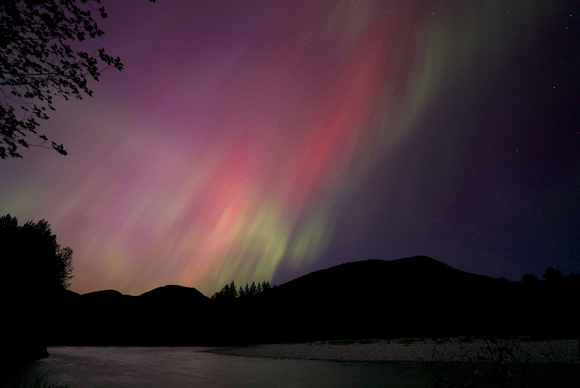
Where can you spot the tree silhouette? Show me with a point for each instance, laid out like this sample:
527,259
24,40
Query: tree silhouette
528,277
32,257
38,63
35,269
265,286
552,274
228,292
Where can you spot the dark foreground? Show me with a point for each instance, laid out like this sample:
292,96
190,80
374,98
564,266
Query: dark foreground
386,363
411,297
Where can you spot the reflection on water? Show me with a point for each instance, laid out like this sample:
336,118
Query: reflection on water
191,367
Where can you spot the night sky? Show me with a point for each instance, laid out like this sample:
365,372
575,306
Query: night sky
262,140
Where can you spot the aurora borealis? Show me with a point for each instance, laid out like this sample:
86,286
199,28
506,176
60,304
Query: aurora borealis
262,140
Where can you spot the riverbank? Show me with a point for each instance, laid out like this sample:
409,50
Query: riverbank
523,350
389,363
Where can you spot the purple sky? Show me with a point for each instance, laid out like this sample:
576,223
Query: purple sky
263,140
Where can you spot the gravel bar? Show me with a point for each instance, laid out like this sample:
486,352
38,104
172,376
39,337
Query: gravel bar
418,350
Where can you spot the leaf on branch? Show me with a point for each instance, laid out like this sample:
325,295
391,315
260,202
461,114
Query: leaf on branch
59,148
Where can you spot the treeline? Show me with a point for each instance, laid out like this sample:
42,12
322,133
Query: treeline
550,275
231,291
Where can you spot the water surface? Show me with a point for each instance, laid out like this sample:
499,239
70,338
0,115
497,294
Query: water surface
192,367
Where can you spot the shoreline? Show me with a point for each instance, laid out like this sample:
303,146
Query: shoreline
519,350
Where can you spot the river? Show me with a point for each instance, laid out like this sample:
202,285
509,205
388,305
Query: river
193,367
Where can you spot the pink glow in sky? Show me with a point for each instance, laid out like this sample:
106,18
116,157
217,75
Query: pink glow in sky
259,140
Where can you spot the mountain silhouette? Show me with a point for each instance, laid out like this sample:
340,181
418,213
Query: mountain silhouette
174,294
377,298
373,277
415,296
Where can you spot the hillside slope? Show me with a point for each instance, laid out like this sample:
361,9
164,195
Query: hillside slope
416,296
